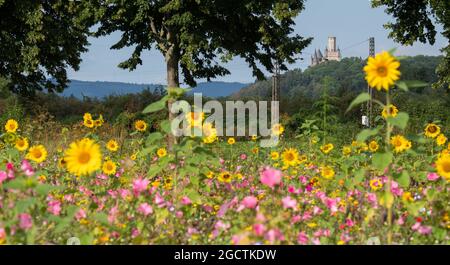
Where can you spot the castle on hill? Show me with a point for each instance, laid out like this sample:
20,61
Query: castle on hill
331,53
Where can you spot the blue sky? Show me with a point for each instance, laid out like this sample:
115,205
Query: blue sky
350,21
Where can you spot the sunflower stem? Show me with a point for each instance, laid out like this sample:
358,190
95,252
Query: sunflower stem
388,186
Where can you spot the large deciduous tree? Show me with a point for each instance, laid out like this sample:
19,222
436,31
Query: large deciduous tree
196,36
415,21
39,40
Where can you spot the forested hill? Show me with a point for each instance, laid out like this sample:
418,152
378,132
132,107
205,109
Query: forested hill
347,76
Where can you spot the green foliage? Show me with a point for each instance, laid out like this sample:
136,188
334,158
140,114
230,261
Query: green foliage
196,35
302,89
39,39
414,21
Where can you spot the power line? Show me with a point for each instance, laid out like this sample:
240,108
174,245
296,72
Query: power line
354,45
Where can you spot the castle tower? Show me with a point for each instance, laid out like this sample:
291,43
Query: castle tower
331,53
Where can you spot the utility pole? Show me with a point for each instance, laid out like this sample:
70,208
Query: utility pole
368,113
276,83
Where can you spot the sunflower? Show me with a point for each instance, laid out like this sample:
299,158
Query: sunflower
302,159
87,116
375,184
225,177
162,152
443,166
231,141
346,150
373,146
209,133
37,154
98,123
195,118
382,71
327,172
168,183
274,155
290,157
277,129
61,162
21,144
407,197
399,143
254,137
210,175
140,125
393,111
326,148
89,123
112,145
11,126
432,130
109,167
441,139
83,157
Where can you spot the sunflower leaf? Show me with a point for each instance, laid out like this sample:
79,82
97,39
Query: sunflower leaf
382,160
400,121
363,97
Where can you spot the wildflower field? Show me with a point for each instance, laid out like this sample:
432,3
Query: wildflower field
109,185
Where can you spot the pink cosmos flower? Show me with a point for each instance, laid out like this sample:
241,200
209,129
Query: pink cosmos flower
54,207
243,156
159,200
317,210
260,217
135,233
295,219
259,229
302,238
2,233
291,189
112,215
249,202
179,214
81,214
372,199
306,215
9,166
288,202
124,193
270,177
303,179
401,220
185,200
3,176
145,209
432,176
316,241
10,170
27,168
425,230
416,226
349,222
25,221
140,185
395,189
274,234
331,204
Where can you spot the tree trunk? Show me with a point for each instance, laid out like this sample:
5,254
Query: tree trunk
172,82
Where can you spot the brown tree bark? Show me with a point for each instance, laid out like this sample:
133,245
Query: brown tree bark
173,81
